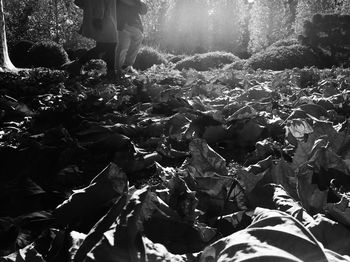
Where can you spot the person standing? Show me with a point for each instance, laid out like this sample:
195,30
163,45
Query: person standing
130,32
99,24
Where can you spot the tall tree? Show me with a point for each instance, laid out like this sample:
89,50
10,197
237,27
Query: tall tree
17,17
260,26
290,7
5,62
270,21
154,21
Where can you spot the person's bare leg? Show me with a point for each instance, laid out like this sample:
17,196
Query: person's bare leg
136,36
124,41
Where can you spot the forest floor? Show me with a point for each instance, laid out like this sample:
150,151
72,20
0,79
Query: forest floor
179,158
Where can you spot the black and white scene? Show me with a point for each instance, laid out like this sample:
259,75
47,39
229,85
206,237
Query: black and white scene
174,130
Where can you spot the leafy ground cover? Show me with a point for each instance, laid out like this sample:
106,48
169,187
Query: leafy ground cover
175,165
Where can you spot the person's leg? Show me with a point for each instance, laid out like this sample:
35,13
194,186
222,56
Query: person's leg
122,48
136,36
109,56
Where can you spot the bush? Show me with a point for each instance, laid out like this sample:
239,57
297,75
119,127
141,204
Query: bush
329,34
285,42
148,57
74,54
238,65
176,58
203,62
283,57
47,54
19,53
95,67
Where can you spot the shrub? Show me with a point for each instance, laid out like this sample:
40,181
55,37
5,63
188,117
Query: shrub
283,57
148,57
285,42
47,54
238,65
176,58
19,53
203,62
95,67
329,34
169,56
74,54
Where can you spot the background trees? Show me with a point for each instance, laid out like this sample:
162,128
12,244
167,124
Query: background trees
5,63
177,26
37,20
270,21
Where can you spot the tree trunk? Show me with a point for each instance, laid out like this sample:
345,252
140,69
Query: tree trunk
5,62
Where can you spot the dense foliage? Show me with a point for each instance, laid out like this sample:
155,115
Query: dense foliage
39,20
269,22
282,57
196,157
178,26
329,34
47,54
189,159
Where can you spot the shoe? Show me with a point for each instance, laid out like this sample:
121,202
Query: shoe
73,67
